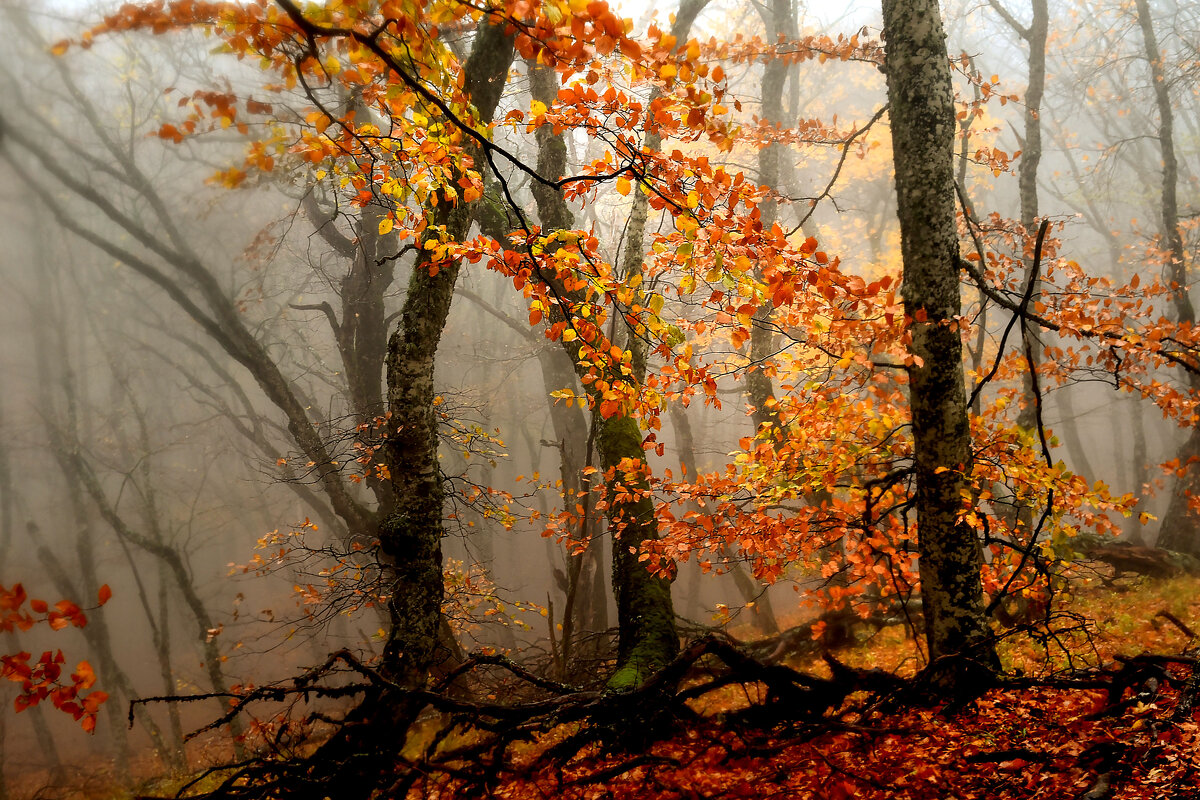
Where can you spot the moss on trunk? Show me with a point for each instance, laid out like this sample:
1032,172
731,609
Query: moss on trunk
648,639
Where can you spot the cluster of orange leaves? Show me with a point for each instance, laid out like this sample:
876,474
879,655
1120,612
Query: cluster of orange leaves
836,470
43,679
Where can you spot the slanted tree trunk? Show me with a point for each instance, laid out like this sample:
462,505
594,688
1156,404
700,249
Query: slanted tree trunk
411,534
1180,529
922,115
647,639
79,474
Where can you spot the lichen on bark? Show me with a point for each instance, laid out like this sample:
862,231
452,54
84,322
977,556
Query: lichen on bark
922,115
410,534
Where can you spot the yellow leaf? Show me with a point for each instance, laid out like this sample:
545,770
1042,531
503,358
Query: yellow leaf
385,226
667,72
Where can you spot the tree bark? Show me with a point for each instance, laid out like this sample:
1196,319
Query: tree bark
1027,176
411,535
1180,529
760,389
923,121
647,639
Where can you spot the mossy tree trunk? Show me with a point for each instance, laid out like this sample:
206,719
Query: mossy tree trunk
647,639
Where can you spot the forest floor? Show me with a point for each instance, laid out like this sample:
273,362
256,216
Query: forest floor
1057,729
1021,741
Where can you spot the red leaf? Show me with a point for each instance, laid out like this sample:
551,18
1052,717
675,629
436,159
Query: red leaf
11,600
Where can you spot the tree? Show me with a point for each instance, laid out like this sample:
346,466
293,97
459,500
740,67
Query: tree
921,101
1179,524
402,126
410,535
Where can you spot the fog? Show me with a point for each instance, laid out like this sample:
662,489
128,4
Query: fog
143,447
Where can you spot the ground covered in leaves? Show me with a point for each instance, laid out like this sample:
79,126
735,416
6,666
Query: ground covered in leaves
1106,710
1103,712
1038,743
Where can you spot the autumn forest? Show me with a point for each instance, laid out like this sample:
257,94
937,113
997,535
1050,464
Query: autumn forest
599,399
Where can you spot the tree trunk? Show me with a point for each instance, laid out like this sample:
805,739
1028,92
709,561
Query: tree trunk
1027,176
411,535
760,389
1139,467
1180,529
46,745
922,114
647,639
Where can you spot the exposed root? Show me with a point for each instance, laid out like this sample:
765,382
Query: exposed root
396,742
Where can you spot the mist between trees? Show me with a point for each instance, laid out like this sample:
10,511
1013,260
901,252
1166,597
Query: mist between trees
571,332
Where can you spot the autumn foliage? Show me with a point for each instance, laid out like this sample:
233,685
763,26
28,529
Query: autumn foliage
46,678
369,104
837,470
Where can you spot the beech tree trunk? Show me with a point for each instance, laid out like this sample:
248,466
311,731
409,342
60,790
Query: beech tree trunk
1180,529
923,121
760,389
647,639
410,535
1027,176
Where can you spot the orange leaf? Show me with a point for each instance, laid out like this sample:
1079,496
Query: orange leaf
105,594
84,676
